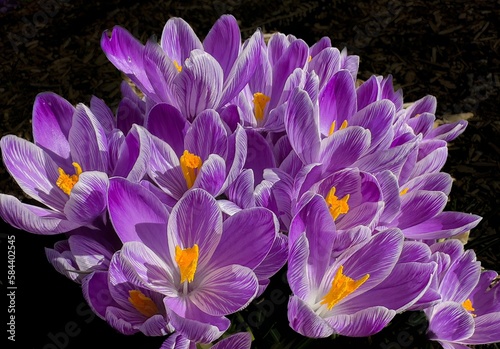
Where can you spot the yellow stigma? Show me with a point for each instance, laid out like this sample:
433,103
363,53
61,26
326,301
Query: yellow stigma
67,182
342,286
467,304
260,101
332,127
190,165
404,191
177,66
142,304
187,260
336,206
310,58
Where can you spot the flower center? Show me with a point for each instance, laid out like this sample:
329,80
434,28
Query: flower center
66,182
467,304
142,304
332,127
336,206
342,286
177,66
187,260
190,165
260,101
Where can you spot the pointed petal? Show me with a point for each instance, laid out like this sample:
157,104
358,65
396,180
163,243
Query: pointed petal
167,123
51,121
178,40
449,321
206,135
241,340
88,142
305,321
33,219
34,171
137,215
134,155
364,323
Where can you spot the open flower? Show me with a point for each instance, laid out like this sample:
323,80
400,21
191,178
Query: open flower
204,266
67,167
469,308
354,291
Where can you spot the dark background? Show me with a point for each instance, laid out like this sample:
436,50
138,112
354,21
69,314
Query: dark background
449,49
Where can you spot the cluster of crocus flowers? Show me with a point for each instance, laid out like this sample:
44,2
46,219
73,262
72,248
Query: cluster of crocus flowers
235,159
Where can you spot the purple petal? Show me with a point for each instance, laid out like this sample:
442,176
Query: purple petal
89,253
51,121
275,259
137,215
178,40
247,238
125,52
167,123
369,92
34,171
243,69
96,293
134,154
337,101
103,114
199,84
305,321
193,323
485,330
298,268
196,219
325,64
448,132
225,290
449,321
128,113
33,219
206,136
377,117
88,142
301,124
241,340
445,224
259,154
177,341
212,175
223,42
364,323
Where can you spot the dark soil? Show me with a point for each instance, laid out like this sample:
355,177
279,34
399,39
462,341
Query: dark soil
449,49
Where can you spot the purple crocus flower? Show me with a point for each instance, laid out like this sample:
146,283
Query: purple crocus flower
469,310
128,308
355,290
204,266
203,154
66,168
181,70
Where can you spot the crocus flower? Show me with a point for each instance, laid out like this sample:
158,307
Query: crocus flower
354,291
190,75
66,168
128,308
204,266
198,155
469,309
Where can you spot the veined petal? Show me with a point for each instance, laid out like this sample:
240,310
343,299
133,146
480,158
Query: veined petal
196,219
337,101
301,125
212,176
241,340
34,171
125,52
87,200
259,154
449,321
88,142
167,123
369,92
305,321
225,290
223,42
206,135
51,121
199,84
160,71
178,40
325,64
247,238
137,215
144,268
36,220
376,117
134,155
128,113
243,69
364,323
